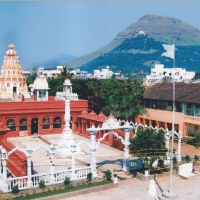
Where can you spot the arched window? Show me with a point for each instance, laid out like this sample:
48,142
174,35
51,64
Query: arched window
57,123
11,124
23,124
46,123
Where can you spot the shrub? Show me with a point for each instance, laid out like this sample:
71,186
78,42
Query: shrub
196,158
108,174
67,182
42,185
187,158
174,160
15,190
89,177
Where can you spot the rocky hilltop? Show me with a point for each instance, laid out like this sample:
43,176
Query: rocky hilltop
163,29
139,47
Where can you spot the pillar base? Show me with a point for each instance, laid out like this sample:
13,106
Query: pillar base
167,195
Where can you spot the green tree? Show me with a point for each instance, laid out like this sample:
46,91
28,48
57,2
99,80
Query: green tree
148,143
65,74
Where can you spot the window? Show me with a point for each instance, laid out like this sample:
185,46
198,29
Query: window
11,124
46,123
8,84
57,123
23,124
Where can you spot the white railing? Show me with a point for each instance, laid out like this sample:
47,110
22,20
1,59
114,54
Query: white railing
20,181
36,178
82,172
60,176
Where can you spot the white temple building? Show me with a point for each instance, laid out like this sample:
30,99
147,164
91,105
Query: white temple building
159,72
40,87
12,81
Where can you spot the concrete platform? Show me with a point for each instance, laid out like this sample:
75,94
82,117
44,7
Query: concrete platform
107,157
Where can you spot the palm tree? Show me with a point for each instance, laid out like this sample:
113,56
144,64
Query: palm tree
127,108
65,74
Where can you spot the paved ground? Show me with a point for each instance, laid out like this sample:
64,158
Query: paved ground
107,157
134,189
110,158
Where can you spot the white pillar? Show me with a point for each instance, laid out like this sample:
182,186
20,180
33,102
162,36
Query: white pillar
37,95
47,95
4,163
52,178
93,152
179,146
29,153
67,132
73,175
0,160
126,148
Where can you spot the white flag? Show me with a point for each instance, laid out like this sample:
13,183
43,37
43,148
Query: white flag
169,50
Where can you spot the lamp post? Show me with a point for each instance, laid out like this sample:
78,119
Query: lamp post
4,156
29,153
52,150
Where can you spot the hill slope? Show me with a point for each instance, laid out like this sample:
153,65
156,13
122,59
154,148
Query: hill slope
139,47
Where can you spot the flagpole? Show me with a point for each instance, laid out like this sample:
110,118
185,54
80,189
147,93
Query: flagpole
169,194
172,146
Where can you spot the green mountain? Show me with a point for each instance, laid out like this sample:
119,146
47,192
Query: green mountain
139,47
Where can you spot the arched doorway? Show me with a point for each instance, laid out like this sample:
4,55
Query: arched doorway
34,126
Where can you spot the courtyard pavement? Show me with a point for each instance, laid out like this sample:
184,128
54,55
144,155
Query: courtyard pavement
110,158
134,189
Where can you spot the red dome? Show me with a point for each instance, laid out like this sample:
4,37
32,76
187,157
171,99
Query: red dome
101,116
84,112
92,114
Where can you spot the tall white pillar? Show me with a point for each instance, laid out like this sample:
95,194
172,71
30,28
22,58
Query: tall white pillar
29,153
93,164
73,150
126,148
4,156
67,132
52,153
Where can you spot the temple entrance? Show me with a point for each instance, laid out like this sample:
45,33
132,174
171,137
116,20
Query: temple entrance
14,89
34,126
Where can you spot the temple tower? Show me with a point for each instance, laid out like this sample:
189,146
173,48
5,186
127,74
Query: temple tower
12,82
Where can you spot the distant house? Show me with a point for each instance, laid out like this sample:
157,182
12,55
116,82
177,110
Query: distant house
80,74
105,74
158,101
52,73
159,72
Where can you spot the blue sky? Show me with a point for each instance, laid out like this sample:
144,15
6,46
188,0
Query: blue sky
44,30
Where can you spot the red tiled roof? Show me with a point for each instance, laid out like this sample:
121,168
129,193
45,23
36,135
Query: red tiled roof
184,92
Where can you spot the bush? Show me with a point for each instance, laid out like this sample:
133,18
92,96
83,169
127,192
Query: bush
108,174
89,177
42,185
187,158
15,190
196,158
67,182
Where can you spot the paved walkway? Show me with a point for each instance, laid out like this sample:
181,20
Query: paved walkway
134,189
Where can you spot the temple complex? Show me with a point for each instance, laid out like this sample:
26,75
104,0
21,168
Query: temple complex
12,82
